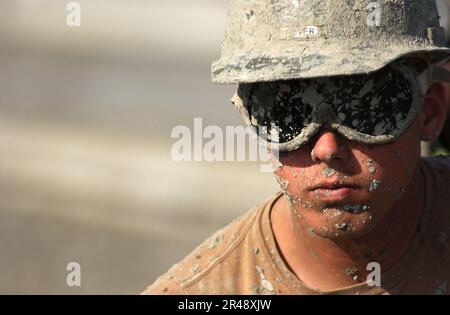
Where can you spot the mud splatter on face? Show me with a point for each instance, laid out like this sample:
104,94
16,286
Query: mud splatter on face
311,232
355,208
328,172
291,200
284,184
276,165
352,272
342,226
374,185
371,166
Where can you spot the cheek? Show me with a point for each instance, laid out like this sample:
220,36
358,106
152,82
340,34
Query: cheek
395,166
396,171
383,172
294,171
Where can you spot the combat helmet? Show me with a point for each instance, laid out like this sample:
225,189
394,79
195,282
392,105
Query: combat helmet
269,40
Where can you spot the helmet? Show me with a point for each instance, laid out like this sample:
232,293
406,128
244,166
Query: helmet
269,40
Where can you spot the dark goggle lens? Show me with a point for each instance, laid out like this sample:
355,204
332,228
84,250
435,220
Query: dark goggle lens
375,104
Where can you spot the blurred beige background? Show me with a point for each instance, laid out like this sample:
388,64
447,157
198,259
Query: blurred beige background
85,121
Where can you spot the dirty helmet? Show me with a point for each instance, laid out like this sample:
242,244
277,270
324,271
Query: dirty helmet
268,40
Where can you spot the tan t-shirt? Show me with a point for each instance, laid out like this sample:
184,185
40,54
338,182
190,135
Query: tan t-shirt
243,258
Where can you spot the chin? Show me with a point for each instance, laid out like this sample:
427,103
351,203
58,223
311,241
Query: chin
345,225
336,234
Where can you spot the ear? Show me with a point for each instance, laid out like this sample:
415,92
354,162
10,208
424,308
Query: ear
434,113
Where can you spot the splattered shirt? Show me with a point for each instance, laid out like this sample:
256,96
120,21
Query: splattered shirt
243,258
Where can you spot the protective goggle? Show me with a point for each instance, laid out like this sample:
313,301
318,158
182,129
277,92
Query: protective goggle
373,108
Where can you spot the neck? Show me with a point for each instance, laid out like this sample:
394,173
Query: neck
329,264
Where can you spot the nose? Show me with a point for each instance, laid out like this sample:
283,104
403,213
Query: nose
327,146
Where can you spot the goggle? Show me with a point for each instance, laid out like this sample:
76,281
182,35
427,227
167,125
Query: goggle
373,108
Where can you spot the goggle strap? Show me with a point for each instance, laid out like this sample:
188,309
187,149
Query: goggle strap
440,74
432,74
238,103
442,62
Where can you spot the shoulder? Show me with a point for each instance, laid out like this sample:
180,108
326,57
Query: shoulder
206,268
437,200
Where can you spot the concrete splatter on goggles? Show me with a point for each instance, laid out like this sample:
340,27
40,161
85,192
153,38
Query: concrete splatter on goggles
373,108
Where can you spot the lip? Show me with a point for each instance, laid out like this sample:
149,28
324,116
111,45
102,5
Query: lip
332,186
333,191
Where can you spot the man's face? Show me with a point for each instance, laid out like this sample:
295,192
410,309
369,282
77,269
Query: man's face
342,189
